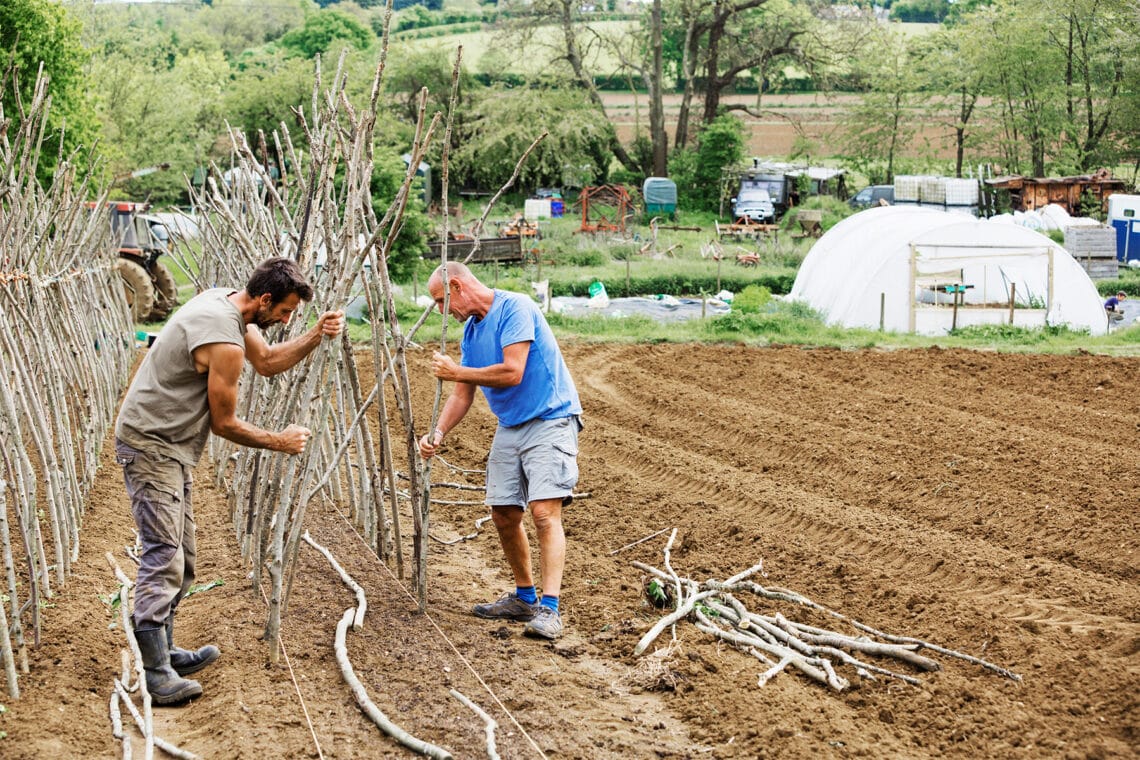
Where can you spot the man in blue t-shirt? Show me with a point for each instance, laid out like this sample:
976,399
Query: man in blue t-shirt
509,351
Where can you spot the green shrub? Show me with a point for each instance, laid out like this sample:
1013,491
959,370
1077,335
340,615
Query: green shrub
697,172
1128,281
587,258
782,319
1025,336
752,299
677,284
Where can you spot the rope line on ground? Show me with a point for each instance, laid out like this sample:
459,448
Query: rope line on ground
296,686
443,636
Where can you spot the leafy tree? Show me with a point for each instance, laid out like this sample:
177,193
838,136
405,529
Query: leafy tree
919,11
1026,97
946,63
879,126
413,67
323,31
721,40
1093,38
1067,112
502,123
35,32
239,25
697,172
161,115
570,56
263,94
387,176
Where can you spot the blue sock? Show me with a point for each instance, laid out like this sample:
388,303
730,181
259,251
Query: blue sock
550,601
526,593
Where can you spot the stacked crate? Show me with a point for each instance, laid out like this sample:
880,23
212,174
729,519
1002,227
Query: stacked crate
1095,249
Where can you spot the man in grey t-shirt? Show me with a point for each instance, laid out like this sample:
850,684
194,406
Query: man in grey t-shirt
185,388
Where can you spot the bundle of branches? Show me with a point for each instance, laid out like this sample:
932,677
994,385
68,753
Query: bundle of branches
66,345
716,608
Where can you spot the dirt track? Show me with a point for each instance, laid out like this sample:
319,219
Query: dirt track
986,503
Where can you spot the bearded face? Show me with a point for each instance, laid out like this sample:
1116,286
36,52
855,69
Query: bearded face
264,318
269,314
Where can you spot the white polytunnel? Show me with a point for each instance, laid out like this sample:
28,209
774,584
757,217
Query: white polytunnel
927,271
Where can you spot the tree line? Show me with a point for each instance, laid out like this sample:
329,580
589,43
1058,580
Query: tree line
1032,87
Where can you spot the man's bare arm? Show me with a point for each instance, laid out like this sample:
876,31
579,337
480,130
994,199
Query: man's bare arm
453,411
270,360
504,375
224,363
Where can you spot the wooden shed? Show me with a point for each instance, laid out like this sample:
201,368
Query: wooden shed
1029,193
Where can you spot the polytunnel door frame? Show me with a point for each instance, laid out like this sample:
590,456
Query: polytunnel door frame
1023,250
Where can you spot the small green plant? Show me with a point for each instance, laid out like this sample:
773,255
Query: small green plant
658,597
706,610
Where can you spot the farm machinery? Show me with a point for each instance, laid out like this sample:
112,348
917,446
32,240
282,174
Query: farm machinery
141,240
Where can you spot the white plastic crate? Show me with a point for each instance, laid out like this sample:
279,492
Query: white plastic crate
961,192
907,188
536,208
933,190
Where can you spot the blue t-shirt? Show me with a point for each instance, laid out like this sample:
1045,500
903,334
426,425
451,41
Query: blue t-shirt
546,391
1112,303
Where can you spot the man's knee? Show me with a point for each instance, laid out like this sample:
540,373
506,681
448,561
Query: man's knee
546,512
506,517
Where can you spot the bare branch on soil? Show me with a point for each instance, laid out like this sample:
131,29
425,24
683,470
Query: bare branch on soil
716,610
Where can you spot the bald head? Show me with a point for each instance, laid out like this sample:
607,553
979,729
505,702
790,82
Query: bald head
455,271
468,296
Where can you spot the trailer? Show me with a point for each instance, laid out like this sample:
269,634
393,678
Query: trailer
1124,216
503,249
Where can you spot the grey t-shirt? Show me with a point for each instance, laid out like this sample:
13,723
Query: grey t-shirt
166,410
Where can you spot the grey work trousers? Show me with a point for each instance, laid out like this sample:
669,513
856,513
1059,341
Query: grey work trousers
159,489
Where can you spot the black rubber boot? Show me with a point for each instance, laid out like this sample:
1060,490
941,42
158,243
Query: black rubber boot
185,661
165,686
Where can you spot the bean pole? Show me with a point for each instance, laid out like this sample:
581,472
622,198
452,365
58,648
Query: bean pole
66,348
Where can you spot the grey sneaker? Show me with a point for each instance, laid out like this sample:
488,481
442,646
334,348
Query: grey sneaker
506,607
546,624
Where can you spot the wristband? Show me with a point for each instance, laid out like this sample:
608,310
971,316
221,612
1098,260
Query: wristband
439,434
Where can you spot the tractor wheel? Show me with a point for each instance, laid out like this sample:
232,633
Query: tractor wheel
165,293
140,293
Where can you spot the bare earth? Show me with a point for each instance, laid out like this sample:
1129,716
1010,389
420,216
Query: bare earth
986,503
807,124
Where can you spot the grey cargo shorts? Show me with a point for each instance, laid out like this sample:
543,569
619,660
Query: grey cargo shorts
533,461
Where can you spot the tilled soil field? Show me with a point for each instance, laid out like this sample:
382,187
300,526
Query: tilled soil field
984,503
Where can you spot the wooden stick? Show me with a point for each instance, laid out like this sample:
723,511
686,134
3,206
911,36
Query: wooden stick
489,724
361,602
370,709
170,749
5,639
147,725
638,541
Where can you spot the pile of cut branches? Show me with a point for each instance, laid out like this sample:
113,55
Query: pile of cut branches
716,608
